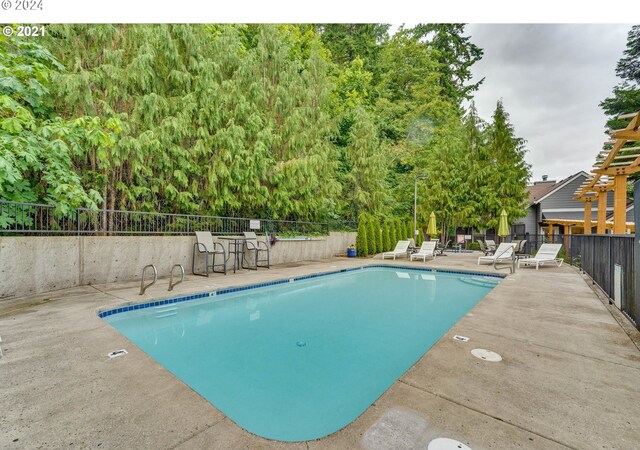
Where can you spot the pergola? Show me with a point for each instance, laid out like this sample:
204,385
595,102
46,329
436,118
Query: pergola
613,165
568,223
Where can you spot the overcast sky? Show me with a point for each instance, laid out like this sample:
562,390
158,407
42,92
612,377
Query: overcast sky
551,79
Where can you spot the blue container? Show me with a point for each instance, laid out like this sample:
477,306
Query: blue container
351,252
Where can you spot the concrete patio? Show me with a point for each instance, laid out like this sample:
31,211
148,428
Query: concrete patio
568,378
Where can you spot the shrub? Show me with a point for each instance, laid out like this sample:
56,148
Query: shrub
400,231
379,245
372,240
361,238
386,241
410,231
419,237
474,246
393,235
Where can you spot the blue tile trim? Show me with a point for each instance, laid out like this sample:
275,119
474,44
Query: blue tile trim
153,304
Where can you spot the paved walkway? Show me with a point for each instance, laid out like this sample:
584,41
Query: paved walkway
569,376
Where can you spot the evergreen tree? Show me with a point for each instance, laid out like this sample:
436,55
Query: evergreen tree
348,41
478,195
365,184
372,240
456,54
220,119
400,230
393,235
386,241
378,228
420,236
510,171
361,238
296,122
301,180
626,96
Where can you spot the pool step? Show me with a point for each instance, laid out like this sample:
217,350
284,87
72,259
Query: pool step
165,311
479,281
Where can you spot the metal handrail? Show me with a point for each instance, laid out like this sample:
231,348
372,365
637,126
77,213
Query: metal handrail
171,283
512,265
155,278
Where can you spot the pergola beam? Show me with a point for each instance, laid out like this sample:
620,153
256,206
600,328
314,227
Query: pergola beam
616,164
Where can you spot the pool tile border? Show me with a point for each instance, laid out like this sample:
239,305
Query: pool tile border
111,311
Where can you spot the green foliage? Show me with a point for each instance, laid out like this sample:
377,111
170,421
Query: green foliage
456,54
393,234
362,238
365,165
220,120
36,150
349,41
510,171
626,96
420,236
401,230
372,232
474,246
386,241
410,232
300,122
378,228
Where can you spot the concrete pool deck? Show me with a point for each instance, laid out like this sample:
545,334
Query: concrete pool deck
569,377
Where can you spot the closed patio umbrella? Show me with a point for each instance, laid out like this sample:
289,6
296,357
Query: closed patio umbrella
503,226
431,227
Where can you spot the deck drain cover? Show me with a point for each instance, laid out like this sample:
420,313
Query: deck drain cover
457,337
117,353
447,444
486,355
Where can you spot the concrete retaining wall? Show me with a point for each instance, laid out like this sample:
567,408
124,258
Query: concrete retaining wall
36,264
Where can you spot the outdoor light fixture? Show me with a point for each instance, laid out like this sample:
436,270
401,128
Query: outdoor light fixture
415,201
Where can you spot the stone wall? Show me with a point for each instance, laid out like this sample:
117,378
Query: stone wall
36,264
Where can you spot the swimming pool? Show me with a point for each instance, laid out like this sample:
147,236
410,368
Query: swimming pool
301,359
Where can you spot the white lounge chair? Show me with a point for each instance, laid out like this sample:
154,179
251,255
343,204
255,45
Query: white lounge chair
427,250
257,248
402,248
547,254
504,252
491,245
204,244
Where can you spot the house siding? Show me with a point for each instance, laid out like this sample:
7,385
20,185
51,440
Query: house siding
530,221
564,198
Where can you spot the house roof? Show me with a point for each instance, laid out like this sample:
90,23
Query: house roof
541,190
538,190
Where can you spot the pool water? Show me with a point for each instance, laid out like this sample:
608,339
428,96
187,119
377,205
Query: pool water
298,361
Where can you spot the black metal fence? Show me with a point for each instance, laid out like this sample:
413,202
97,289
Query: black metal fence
37,219
598,255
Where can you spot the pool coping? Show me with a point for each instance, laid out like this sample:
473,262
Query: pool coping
105,311
548,326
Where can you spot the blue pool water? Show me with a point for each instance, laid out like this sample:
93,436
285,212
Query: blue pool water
301,360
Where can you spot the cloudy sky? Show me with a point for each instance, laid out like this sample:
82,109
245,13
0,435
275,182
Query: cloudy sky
551,79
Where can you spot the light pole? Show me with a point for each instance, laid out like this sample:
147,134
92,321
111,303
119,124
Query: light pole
415,201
